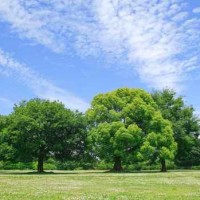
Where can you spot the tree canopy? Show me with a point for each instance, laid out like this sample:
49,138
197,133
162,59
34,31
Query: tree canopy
125,127
185,125
40,128
126,124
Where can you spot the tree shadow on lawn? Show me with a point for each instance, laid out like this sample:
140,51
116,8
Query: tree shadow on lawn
56,172
82,172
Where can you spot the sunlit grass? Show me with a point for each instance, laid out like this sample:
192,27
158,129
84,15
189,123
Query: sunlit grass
60,185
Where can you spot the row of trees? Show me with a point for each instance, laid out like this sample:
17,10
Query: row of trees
125,126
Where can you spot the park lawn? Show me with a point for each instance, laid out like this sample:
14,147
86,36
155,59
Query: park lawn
61,185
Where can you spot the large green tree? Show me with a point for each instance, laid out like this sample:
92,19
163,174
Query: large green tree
185,126
122,125
40,128
6,150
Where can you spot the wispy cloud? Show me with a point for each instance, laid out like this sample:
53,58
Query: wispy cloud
27,21
6,101
196,10
159,39
40,86
6,105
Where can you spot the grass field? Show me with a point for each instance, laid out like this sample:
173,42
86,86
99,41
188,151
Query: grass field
60,185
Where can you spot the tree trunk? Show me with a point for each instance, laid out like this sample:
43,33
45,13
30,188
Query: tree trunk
40,168
118,164
163,165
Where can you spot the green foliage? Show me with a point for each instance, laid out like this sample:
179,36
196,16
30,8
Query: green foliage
160,142
126,125
39,129
68,165
103,165
6,150
8,165
185,126
51,164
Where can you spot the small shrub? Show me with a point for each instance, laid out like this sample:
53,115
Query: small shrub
87,166
50,164
7,165
102,165
196,167
69,165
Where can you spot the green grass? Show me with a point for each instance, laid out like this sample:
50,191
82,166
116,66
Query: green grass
61,185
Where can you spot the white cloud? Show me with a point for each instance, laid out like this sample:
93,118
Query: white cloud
6,101
159,39
196,10
5,105
156,36
40,86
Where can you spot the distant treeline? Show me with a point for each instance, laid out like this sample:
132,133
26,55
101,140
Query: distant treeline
123,129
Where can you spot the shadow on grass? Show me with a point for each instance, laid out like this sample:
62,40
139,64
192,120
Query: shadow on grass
56,172
82,172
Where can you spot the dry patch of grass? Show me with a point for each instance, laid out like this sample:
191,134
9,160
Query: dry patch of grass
74,185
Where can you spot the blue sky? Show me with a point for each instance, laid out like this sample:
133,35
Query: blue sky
71,50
